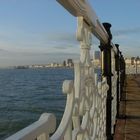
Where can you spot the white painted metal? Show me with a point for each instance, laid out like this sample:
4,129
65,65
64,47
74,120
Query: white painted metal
85,112
39,130
114,48
84,117
82,8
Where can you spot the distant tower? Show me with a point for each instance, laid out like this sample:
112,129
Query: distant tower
132,60
64,63
70,63
97,55
97,58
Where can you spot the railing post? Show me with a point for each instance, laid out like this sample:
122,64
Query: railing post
122,76
117,68
136,60
106,71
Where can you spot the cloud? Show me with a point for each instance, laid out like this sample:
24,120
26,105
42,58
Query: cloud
25,47
128,39
64,46
126,31
62,36
25,39
2,50
26,58
22,36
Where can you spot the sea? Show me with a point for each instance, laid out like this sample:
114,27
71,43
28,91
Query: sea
27,93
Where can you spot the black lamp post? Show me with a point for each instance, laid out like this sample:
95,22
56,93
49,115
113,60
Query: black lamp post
137,59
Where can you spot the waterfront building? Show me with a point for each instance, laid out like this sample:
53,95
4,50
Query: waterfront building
97,59
128,61
69,63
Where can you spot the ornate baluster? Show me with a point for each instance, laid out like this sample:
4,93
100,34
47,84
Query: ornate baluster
84,85
89,120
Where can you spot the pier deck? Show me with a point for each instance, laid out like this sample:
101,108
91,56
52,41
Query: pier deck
128,126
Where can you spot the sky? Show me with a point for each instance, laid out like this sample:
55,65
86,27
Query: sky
42,31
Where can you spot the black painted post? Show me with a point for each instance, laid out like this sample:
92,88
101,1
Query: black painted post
136,60
117,68
122,76
136,66
123,71
106,50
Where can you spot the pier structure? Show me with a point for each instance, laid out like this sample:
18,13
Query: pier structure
93,107
128,122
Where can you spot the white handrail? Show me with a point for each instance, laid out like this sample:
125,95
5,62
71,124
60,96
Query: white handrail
39,130
82,8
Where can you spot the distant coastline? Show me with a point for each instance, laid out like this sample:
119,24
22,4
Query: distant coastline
40,67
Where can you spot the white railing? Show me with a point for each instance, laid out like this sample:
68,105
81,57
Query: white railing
39,130
81,8
85,112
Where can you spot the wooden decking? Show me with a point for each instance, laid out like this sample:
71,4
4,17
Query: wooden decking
128,126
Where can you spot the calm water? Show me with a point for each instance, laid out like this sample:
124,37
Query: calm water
27,93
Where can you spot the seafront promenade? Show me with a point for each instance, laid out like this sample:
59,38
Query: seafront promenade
128,125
